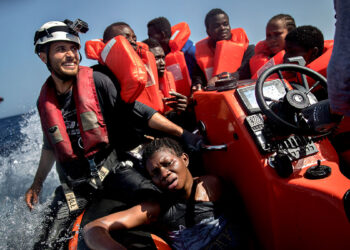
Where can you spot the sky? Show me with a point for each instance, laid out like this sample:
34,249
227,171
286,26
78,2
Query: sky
22,73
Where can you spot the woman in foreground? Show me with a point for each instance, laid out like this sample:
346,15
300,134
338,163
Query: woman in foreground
189,212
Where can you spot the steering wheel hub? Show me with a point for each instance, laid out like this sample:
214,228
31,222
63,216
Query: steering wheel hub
297,99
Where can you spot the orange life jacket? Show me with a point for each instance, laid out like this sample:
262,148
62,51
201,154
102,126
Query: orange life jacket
260,57
91,124
150,95
121,58
93,49
175,60
320,64
227,56
261,60
167,83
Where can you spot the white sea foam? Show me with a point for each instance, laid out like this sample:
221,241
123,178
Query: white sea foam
18,226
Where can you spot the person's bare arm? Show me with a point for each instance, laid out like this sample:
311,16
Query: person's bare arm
46,162
96,233
160,123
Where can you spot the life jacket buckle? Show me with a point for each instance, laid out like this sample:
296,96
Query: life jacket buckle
95,181
101,176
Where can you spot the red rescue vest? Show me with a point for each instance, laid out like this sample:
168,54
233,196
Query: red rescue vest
320,64
175,60
227,56
93,49
151,95
262,59
121,58
91,124
167,83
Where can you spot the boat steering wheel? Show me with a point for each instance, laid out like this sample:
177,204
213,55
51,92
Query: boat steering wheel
293,101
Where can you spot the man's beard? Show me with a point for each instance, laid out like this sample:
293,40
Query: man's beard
64,77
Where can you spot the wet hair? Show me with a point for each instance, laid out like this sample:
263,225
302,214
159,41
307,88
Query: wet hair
160,144
161,24
288,21
109,32
213,13
152,43
307,37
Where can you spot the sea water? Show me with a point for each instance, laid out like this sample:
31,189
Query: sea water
20,147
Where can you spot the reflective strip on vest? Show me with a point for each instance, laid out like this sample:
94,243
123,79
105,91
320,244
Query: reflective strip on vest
107,49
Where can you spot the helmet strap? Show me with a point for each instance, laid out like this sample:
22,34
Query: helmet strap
47,51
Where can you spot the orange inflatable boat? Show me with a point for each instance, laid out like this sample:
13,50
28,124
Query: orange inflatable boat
295,192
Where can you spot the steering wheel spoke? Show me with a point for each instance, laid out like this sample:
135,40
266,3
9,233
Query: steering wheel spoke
280,75
269,99
313,86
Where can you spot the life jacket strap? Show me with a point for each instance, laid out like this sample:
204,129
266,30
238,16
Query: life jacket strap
94,172
70,198
98,173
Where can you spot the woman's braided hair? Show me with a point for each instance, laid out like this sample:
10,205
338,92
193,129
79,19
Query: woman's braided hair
288,20
159,144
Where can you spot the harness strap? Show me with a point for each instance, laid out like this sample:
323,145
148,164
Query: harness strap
70,198
98,172
189,216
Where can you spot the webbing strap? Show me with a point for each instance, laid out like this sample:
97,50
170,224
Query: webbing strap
189,217
97,173
70,198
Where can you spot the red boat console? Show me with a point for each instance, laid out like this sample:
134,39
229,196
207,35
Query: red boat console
288,176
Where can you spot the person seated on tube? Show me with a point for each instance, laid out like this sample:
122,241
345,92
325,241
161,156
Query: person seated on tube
123,29
160,29
277,29
180,103
179,114
308,42
218,28
190,212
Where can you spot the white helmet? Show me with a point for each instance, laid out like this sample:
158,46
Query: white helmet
57,31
